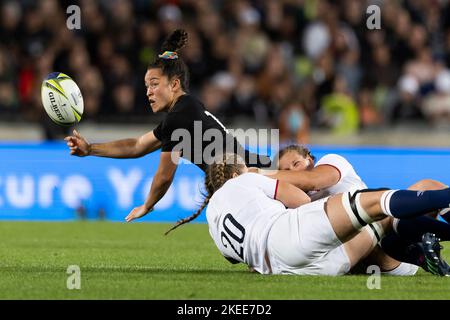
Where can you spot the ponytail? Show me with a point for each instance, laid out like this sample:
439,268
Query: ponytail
169,61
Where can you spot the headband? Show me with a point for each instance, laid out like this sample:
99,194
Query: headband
171,55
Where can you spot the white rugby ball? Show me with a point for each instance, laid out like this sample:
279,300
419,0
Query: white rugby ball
62,99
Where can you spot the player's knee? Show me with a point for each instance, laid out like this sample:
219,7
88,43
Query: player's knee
427,184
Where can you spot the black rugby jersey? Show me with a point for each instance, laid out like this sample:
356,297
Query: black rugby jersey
184,129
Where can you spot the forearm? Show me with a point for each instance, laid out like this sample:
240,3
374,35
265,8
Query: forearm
303,180
157,191
116,149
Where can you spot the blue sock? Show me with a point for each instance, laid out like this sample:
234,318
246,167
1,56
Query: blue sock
409,204
401,250
411,230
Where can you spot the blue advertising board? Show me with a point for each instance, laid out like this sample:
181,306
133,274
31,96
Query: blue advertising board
43,182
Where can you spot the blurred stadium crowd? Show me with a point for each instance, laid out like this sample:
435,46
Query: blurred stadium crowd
291,64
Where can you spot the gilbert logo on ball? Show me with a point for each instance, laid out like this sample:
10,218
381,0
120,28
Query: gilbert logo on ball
62,99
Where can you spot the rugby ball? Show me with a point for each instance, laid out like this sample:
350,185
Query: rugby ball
62,99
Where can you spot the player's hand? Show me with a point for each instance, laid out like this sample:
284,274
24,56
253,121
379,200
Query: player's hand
137,213
78,145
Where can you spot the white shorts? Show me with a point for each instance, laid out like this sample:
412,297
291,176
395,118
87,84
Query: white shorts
302,241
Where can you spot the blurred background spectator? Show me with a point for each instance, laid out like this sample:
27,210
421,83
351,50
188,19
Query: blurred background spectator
296,65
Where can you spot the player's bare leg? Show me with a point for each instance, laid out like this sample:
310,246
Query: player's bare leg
350,212
378,256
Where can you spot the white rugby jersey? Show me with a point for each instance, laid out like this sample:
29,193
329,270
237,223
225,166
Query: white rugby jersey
240,215
349,180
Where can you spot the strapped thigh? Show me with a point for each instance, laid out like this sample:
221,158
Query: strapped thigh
352,205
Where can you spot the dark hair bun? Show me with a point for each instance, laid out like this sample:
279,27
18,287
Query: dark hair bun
175,41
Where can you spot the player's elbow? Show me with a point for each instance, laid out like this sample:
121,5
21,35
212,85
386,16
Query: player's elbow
139,150
299,198
133,148
303,198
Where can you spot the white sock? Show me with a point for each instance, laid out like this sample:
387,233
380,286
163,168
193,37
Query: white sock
385,202
403,269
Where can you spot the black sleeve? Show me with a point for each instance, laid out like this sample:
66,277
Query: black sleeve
173,122
158,131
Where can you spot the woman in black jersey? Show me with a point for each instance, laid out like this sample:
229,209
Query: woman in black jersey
187,130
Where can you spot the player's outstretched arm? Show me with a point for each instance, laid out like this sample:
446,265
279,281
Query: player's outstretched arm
126,148
318,178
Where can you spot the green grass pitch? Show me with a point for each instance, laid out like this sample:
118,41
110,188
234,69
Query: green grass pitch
136,261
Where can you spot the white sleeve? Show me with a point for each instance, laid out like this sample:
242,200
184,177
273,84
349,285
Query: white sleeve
337,161
268,185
